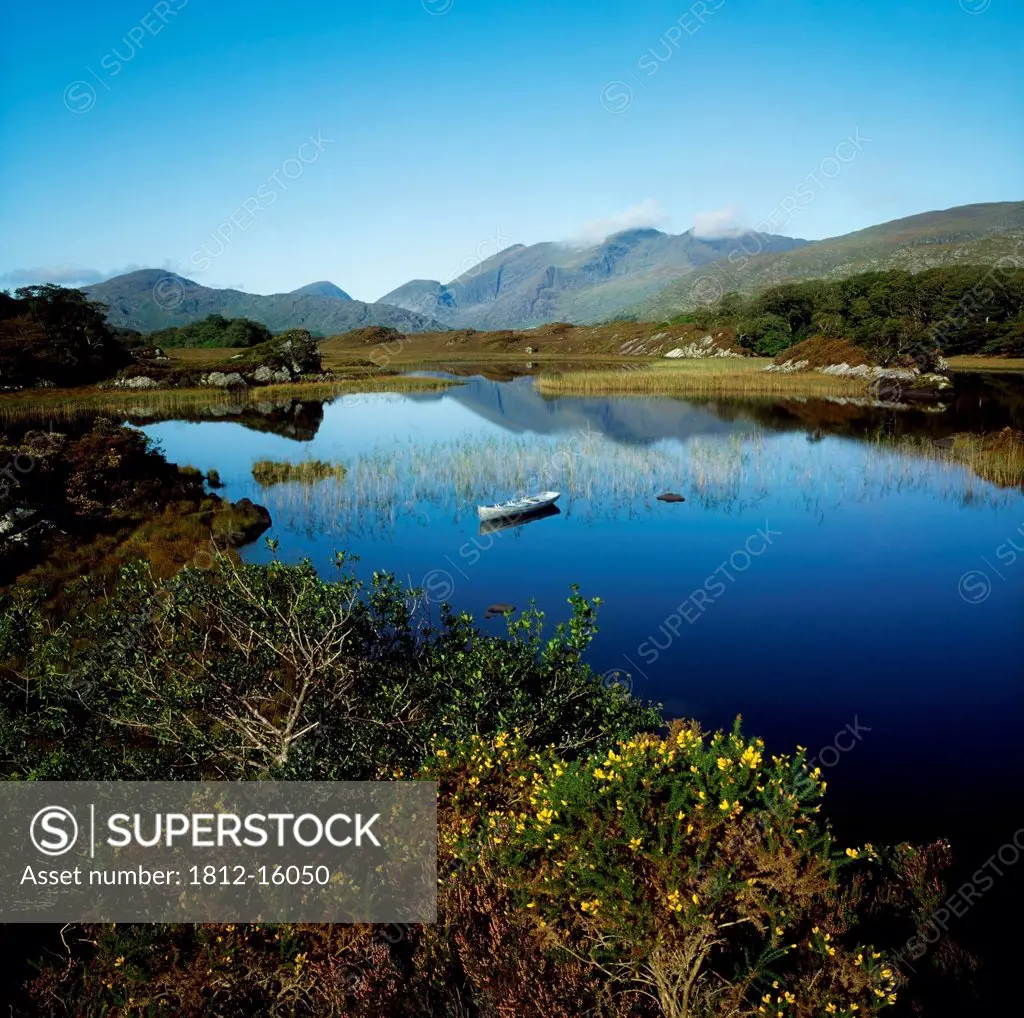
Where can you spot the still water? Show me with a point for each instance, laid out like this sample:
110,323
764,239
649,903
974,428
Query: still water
839,591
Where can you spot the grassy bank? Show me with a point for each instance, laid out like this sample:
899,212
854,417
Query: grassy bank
61,404
712,377
986,364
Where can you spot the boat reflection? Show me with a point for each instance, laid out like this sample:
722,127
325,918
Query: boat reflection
505,523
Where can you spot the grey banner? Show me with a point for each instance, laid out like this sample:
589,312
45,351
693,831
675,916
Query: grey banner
165,851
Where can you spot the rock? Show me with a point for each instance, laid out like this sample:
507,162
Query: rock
243,524
670,496
221,380
498,609
903,386
700,349
139,382
15,520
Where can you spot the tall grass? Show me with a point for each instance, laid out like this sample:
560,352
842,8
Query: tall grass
67,404
601,479
270,472
711,377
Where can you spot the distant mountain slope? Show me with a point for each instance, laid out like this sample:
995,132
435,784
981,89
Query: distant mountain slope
152,299
526,286
321,289
966,235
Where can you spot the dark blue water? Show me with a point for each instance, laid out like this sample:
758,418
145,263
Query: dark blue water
840,593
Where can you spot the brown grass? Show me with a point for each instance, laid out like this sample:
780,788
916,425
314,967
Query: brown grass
997,457
712,377
559,340
820,352
270,472
61,404
986,364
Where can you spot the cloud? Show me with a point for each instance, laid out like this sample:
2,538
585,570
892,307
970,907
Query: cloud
646,214
71,275
65,274
725,222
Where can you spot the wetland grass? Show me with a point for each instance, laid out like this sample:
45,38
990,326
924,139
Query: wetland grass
270,472
67,404
726,376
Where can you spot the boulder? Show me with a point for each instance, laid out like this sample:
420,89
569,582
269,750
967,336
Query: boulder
223,380
498,609
670,496
139,382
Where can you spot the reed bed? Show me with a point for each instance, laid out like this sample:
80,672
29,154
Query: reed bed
600,479
986,364
267,473
711,377
67,404
997,457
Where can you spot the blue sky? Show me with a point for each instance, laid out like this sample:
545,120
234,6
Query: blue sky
443,130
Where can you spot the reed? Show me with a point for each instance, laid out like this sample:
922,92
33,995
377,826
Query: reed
271,472
986,364
67,404
443,482
997,457
711,377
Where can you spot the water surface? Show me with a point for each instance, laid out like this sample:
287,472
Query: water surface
817,579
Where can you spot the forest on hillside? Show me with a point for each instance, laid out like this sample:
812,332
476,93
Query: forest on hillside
894,315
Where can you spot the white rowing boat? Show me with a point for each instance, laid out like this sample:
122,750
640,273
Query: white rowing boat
518,506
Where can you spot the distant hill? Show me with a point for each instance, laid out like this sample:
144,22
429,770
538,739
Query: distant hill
152,299
966,235
525,286
321,289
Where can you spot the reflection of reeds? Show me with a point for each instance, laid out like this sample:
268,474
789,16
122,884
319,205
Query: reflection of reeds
709,377
445,481
997,457
270,472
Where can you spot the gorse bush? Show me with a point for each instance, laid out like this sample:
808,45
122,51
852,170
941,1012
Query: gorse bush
586,864
684,876
690,869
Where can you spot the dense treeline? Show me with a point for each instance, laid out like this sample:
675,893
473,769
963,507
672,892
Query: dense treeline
213,331
57,336
895,315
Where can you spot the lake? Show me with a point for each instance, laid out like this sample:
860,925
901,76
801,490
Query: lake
830,583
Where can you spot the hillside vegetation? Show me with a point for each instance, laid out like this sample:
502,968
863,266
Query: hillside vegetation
983,234
50,335
893,315
213,331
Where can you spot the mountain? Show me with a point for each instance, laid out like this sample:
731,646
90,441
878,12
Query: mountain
153,299
966,235
526,286
321,289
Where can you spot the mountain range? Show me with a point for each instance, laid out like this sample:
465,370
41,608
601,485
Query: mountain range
153,299
525,286
641,273
967,235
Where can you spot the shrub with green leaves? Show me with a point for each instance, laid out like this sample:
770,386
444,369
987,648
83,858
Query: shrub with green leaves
688,868
256,671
